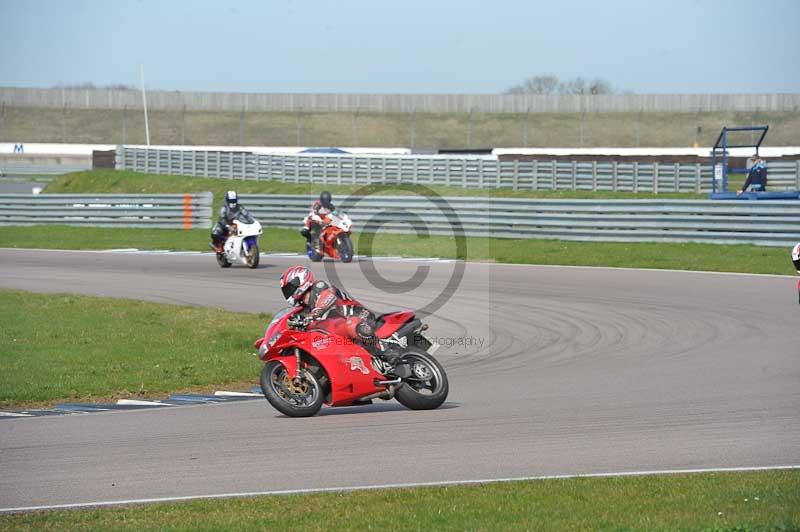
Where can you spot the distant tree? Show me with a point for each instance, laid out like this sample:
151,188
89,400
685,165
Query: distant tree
581,85
90,85
546,84
550,84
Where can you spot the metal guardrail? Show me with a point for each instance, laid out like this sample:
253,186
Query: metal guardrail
168,211
399,103
42,169
459,171
766,223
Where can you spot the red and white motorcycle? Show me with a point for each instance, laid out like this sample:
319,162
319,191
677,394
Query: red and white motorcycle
334,239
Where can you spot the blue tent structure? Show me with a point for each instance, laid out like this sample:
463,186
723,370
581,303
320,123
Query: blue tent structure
719,164
324,150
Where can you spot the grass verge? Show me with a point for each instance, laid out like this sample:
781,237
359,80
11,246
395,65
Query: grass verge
688,256
133,348
127,182
766,500
365,128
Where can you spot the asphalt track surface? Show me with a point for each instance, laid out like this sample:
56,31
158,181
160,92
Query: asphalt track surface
570,371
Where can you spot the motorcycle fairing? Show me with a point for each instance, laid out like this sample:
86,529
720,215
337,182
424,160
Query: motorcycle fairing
389,323
347,365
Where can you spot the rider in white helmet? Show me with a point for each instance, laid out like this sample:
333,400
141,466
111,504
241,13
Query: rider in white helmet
227,214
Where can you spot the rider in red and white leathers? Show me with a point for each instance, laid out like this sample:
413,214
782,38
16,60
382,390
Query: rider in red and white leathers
334,309
315,220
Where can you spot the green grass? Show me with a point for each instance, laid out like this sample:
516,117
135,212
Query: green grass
429,130
132,348
688,256
127,182
754,501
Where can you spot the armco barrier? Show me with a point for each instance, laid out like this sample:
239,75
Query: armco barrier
185,211
767,223
458,171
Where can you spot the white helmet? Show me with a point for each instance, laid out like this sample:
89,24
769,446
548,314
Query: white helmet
231,199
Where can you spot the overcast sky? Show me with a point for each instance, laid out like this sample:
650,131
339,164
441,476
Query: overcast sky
406,46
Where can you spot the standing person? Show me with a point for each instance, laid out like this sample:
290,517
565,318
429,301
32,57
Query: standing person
316,218
756,177
796,261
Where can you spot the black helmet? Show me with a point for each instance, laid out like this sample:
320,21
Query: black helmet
232,199
325,199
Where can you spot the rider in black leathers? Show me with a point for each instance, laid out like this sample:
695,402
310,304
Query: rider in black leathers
227,214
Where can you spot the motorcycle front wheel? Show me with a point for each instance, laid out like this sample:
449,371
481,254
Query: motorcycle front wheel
427,387
295,398
222,261
345,248
252,257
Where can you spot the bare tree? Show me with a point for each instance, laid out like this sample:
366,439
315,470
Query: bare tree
581,85
90,85
550,84
545,84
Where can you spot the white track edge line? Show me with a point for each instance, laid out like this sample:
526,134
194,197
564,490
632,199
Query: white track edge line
445,261
441,483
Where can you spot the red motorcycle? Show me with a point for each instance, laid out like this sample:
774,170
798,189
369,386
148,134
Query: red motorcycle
306,366
334,239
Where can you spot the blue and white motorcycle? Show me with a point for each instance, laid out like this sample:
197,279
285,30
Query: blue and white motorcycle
241,246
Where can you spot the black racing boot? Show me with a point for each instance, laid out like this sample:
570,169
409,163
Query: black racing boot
390,354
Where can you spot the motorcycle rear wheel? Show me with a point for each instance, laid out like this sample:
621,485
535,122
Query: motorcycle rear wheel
428,387
222,261
345,248
252,257
301,399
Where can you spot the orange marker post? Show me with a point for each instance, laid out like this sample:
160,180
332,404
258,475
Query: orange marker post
187,211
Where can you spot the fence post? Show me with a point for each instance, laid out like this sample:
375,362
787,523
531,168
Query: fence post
244,166
180,166
515,177
574,175
797,173
594,176
414,176
655,177
158,161
697,177
257,166
535,182
325,170
677,177
614,175
205,164
555,175
635,177
339,170
480,170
